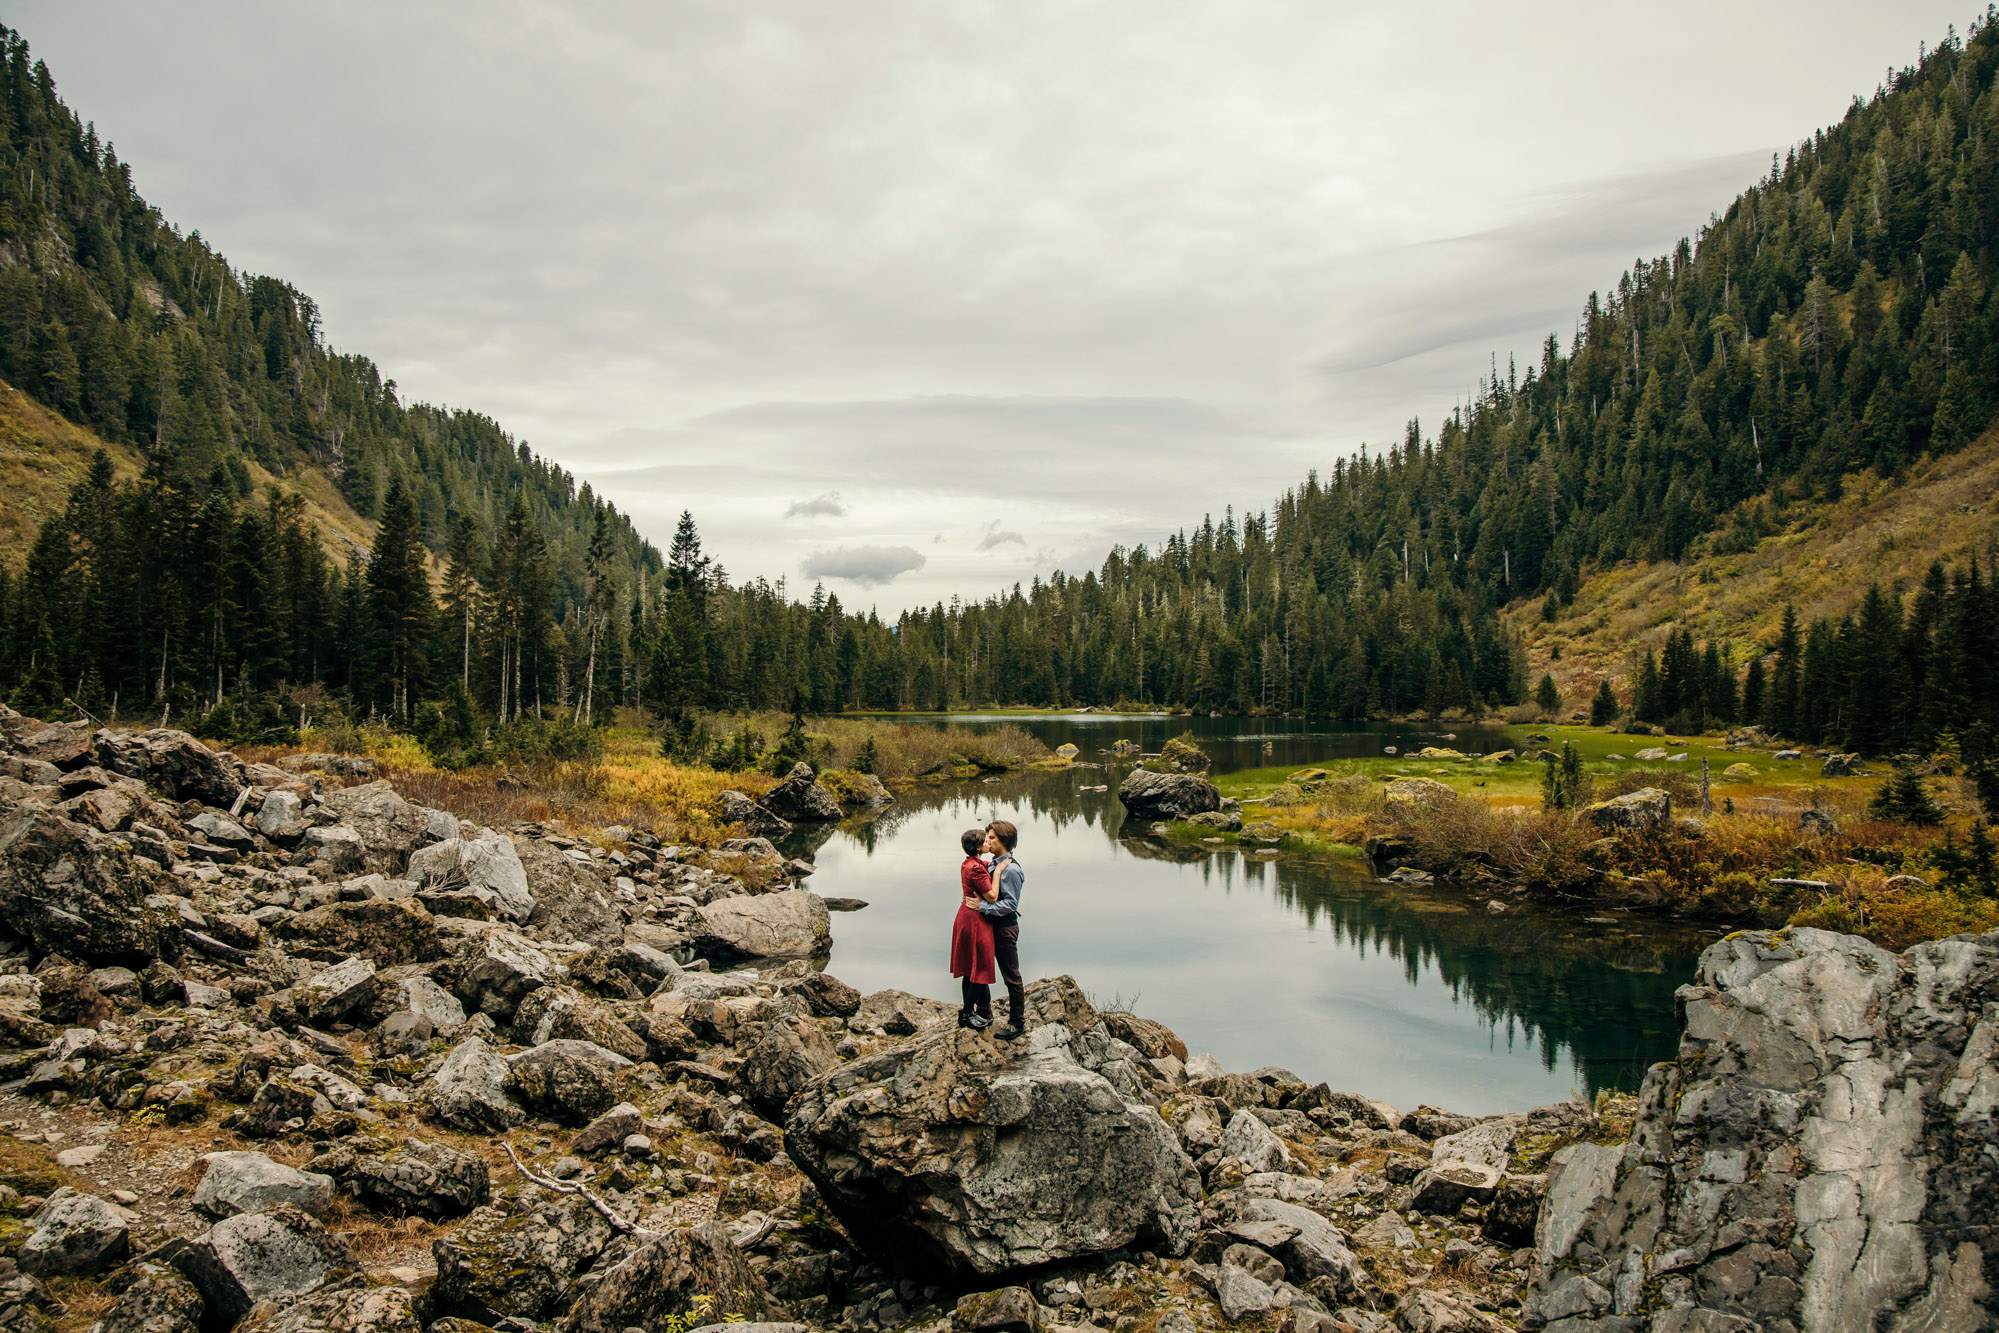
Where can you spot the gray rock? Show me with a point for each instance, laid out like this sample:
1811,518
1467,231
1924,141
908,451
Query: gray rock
157,1299
793,923
736,808
425,998
499,972
335,849
249,1182
1509,1221
1148,795
1004,1310
1841,766
421,1178
174,762
665,1276
1029,1157
486,863
469,1090
512,1263
556,1013
791,1053
571,1081
1307,1244
573,900
1646,810
73,891
281,1105
261,1256
330,996
1427,1311
76,1235
800,799
1823,1150
1249,1141
352,1307
1222,821
389,827
213,826
281,817
1448,1186
608,1130
898,1013
1240,1294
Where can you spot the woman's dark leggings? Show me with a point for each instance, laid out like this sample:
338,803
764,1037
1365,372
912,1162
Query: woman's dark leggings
978,998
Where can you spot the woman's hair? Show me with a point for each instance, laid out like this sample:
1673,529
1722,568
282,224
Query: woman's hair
972,839
1005,832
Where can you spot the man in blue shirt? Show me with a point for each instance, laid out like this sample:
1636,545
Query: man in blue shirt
1004,913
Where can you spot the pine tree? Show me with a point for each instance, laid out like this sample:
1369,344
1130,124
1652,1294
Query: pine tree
1548,697
1903,798
1603,706
399,602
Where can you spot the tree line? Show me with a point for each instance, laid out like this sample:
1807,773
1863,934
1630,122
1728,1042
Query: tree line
1837,316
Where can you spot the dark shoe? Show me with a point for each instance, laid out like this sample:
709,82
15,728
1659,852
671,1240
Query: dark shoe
1011,1032
965,1018
977,1022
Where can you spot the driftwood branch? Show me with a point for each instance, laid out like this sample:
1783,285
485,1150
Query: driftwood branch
609,1213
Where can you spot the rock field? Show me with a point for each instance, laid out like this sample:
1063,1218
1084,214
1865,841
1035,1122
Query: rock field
280,1049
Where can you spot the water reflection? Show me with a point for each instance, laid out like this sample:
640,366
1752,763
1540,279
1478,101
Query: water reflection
1410,995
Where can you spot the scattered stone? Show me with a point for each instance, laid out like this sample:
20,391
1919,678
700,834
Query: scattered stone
1646,810
570,1081
1148,795
665,1276
1005,1310
772,925
261,1256
421,1178
76,1235
469,1090
608,1130
249,1182
485,866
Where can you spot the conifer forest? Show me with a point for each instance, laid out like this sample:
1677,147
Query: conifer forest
1839,315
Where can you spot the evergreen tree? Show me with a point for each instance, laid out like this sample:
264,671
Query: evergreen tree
1603,706
1904,799
400,604
1548,697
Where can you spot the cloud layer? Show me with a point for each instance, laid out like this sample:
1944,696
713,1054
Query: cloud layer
1033,279
869,566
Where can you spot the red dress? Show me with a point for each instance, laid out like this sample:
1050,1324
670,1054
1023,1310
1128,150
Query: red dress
971,933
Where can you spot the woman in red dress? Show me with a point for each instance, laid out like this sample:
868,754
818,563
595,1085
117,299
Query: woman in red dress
972,936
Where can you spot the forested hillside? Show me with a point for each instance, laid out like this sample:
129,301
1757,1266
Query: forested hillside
1834,320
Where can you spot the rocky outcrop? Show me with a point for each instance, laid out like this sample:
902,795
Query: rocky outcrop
670,1274
1179,756
983,1160
791,924
1148,795
801,799
1823,1154
1646,810
484,865
73,891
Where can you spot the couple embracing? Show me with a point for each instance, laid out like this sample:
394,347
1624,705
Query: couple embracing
985,937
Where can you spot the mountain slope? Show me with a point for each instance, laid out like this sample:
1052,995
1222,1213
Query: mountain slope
1818,556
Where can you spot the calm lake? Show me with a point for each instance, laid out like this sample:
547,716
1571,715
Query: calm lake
1408,995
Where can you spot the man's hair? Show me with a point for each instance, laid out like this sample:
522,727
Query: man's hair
972,839
1005,832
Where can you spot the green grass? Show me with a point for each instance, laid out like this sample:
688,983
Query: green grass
1520,781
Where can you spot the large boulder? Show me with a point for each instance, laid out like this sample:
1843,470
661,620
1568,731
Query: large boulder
496,972
70,890
980,1158
794,923
389,827
562,1012
156,1299
514,1262
735,808
790,1054
422,1178
1148,795
573,900
249,1182
1823,1150
351,1307
801,799
329,996
571,1081
469,1090
485,865
1646,810
387,931
671,1274
76,1235
261,1256
1179,756
175,763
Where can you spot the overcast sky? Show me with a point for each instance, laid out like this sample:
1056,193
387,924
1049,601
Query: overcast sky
929,296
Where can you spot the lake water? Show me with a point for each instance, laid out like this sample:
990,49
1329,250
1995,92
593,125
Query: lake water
1309,963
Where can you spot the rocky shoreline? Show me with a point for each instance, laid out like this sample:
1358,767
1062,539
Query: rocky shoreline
281,1052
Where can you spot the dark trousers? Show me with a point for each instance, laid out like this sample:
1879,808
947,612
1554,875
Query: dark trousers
1006,955
978,998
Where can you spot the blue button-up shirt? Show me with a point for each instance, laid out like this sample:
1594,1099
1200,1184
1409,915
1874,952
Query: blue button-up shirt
1010,879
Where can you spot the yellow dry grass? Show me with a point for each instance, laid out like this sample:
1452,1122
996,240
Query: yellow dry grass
1822,562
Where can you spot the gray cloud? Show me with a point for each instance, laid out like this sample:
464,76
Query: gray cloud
827,504
995,537
869,566
1106,264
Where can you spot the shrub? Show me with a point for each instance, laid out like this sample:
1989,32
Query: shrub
1904,799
